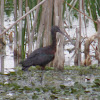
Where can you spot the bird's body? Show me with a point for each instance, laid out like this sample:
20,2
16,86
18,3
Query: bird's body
44,55
41,57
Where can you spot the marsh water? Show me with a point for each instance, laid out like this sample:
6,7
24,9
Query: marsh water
74,83
82,84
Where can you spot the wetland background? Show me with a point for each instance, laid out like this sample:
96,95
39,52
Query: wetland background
74,83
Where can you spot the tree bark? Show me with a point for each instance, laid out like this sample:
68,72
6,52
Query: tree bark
39,42
80,25
76,47
34,23
51,13
28,32
48,22
20,28
15,28
98,30
2,38
59,56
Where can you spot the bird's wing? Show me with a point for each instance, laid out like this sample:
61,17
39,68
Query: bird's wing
43,59
30,59
38,57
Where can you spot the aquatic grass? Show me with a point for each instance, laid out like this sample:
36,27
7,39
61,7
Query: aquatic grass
38,89
45,89
2,83
11,73
15,84
1,73
96,83
98,97
53,97
77,88
35,96
81,67
27,88
75,67
96,89
83,70
62,86
49,68
55,91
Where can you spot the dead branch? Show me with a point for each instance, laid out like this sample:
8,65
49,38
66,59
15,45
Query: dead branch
87,61
87,44
97,54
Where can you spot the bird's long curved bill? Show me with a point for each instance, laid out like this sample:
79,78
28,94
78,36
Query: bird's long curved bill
67,37
62,33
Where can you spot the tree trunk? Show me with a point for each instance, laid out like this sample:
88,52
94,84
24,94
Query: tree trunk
59,56
0,20
76,47
2,38
52,10
35,22
28,32
98,29
20,28
48,22
80,23
15,28
39,42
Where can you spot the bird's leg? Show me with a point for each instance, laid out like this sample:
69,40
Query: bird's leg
42,70
30,79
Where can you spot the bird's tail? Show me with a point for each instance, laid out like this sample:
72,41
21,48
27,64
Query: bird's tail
24,67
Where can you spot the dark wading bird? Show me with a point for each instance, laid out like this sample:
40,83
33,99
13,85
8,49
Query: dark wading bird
44,55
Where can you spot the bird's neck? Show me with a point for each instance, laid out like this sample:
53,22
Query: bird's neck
53,34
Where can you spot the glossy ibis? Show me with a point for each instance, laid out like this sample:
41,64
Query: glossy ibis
44,55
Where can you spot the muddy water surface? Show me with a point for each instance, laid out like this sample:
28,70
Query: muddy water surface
78,84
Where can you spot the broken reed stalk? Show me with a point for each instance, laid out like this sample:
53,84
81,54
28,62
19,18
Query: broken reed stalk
87,44
39,41
80,26
2,38
20,29
98,30
34,23
76,47
90,40
28,32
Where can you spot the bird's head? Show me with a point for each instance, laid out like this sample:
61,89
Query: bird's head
56,29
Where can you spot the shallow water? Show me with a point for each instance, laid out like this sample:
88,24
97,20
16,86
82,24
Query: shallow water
7,60
51,85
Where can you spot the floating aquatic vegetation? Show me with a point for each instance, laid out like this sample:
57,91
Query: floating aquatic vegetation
51,85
